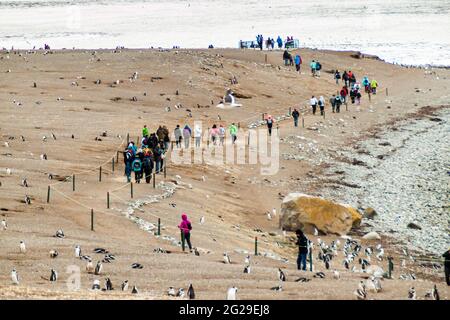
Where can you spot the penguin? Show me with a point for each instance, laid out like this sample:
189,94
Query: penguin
53,254
274,212
226,258
269,217
281,275
96,285
4,224
8,171
231,293
316,232
98,268
302,279
180,293
89,267
412,294
53,275
327,264
22,247
53,136
336,275
196,252
125,285
22,138
360,294
433,294
137,266
108,284
134,290
15,277
191,292
319,275
86,258
60,234
247,260
44,139
171,292
24,183
27,199
101,250
247,269
77,251
202,220
380,254
277,288
6,144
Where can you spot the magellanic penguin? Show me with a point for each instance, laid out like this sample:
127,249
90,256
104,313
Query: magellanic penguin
24,183
191,292
89,266
281,275
180,293
226,258
98,268
336,275
412,294
53,254
247,260
171,292
77,251
96,285
125,285
247,269
60,234
108,284
27,199
134,290
53,275
232,293
137,266
277,288
22,247
15,277
4,224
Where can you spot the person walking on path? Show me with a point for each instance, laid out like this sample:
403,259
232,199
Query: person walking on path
344,93
345,78
373,86
302,243
322,105
185,226
178,136
269,122
298,62
221,135
187,133
446,255
337,76
197,135
214,133
295,115
313,102
145,131
313,67
128,157
338,102
333,103
233,132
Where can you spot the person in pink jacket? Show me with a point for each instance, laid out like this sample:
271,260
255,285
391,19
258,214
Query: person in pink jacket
185,227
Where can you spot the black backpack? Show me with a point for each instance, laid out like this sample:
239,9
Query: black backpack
318,66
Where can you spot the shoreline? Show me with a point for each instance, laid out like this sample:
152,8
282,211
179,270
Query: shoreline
359,53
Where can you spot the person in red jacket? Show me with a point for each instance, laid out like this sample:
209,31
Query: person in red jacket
344,93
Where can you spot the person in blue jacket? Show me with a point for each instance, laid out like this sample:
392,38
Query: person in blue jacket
279,42
298,62
366,84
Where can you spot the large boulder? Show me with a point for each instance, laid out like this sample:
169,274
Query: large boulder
301,211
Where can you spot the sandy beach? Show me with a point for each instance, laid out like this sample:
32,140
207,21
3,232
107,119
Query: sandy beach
58,92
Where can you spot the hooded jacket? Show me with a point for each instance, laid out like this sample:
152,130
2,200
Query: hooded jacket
185,224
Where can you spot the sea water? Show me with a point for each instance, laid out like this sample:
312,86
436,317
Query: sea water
413,32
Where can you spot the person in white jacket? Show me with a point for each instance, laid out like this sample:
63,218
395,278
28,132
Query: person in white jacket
197,135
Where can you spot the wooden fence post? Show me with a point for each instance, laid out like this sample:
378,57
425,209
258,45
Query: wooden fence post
100,174
73,182
112,164
48,194
131,189
154,180
107,200
256,246
92,219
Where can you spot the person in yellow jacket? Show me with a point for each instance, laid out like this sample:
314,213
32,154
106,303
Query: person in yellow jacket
373,86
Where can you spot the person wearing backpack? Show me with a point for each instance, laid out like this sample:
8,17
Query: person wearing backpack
185,227
178,136
157,157
318,68
338,102
322,105
337,76
128,157
137,166
333,103
373,86
147,164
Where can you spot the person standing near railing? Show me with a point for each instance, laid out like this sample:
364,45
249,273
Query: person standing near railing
185,226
